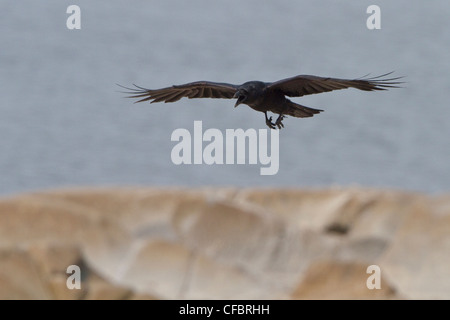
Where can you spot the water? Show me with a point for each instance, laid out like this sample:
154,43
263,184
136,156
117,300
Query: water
63,123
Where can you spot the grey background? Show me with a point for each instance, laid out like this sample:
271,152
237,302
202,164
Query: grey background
64,123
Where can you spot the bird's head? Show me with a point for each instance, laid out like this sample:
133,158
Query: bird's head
249,93
241,95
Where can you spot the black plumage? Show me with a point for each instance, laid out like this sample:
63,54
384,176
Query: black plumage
265,96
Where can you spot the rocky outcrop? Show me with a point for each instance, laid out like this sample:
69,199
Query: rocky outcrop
225,243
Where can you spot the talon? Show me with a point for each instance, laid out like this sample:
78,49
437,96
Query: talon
269,122
279,122
271,125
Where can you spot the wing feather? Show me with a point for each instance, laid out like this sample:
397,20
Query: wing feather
175,96
192,93
306,84
199,89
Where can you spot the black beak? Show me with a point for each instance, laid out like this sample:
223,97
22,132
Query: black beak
236,96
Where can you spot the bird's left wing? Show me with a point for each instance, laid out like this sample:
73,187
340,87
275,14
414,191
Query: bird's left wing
199,89
305,84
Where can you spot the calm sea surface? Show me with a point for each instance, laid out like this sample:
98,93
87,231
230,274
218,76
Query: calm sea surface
63,121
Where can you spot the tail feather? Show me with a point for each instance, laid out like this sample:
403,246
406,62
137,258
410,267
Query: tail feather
299,111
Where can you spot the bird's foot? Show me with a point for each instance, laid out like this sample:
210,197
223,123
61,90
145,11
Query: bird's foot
270,124
279,122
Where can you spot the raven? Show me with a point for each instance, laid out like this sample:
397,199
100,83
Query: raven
265,96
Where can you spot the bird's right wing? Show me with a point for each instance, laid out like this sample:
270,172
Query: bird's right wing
199,89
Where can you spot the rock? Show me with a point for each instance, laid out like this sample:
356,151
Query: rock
224,243
418,261
41,273
340,280
20,278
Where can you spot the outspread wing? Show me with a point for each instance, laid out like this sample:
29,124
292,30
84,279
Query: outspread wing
305,84
199,89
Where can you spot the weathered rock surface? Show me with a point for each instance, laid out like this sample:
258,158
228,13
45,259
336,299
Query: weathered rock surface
224,243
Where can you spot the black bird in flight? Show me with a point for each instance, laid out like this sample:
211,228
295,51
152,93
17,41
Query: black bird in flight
265,96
